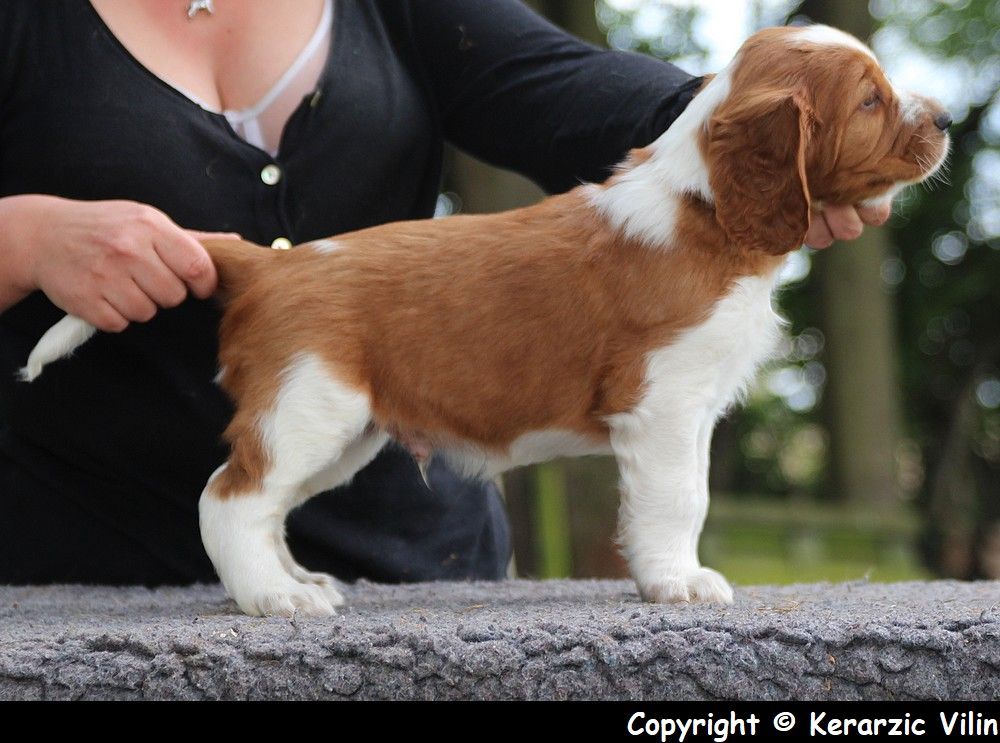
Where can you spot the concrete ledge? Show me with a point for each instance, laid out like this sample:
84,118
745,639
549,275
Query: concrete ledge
511,640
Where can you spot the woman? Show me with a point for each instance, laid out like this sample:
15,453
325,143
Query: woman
124,127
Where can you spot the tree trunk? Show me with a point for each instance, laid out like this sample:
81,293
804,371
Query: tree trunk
863,399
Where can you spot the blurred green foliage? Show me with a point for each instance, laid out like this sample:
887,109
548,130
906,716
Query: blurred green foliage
758,540
661,29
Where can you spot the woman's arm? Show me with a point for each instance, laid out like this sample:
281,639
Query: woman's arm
516,91
109,262
15,269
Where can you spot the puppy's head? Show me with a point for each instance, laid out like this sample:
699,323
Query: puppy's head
809,117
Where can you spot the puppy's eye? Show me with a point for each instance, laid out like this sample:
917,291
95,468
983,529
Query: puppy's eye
871,102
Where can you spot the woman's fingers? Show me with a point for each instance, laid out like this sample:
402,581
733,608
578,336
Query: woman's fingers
131,302
819,235
187,259
159,283
202,235
877,214
104,317
844,222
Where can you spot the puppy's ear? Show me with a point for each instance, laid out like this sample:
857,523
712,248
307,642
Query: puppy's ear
756,152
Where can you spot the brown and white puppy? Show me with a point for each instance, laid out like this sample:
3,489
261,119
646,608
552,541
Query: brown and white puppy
622,317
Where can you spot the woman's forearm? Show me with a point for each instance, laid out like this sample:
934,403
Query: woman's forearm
19,221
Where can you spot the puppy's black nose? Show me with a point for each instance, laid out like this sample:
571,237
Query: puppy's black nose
943,120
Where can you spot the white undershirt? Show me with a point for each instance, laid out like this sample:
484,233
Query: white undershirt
262,123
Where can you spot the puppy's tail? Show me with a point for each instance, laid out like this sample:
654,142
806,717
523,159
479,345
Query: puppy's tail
59,340
237,263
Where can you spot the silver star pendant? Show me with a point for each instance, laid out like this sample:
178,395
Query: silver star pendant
198,5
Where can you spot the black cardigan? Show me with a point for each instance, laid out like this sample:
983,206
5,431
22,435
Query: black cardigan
103,458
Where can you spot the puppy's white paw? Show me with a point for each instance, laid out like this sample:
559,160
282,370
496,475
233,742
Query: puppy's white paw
329,585
326,583
287,599
702,585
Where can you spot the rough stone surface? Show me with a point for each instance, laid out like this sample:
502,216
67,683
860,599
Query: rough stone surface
511,640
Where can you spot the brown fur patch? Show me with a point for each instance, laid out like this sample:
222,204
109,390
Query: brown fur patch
474,328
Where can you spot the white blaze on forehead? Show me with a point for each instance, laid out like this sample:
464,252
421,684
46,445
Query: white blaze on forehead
832,37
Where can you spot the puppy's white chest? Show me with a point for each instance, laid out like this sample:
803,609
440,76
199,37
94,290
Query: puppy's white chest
710,364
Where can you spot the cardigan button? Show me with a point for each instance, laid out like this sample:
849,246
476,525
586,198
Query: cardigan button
271,174
281,243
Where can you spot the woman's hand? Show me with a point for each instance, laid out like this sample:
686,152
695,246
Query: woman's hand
108,262
844,222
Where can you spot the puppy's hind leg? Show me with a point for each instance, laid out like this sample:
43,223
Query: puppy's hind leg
315,420
338,471
241,532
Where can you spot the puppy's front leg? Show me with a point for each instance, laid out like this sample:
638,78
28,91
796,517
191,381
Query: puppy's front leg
663,458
